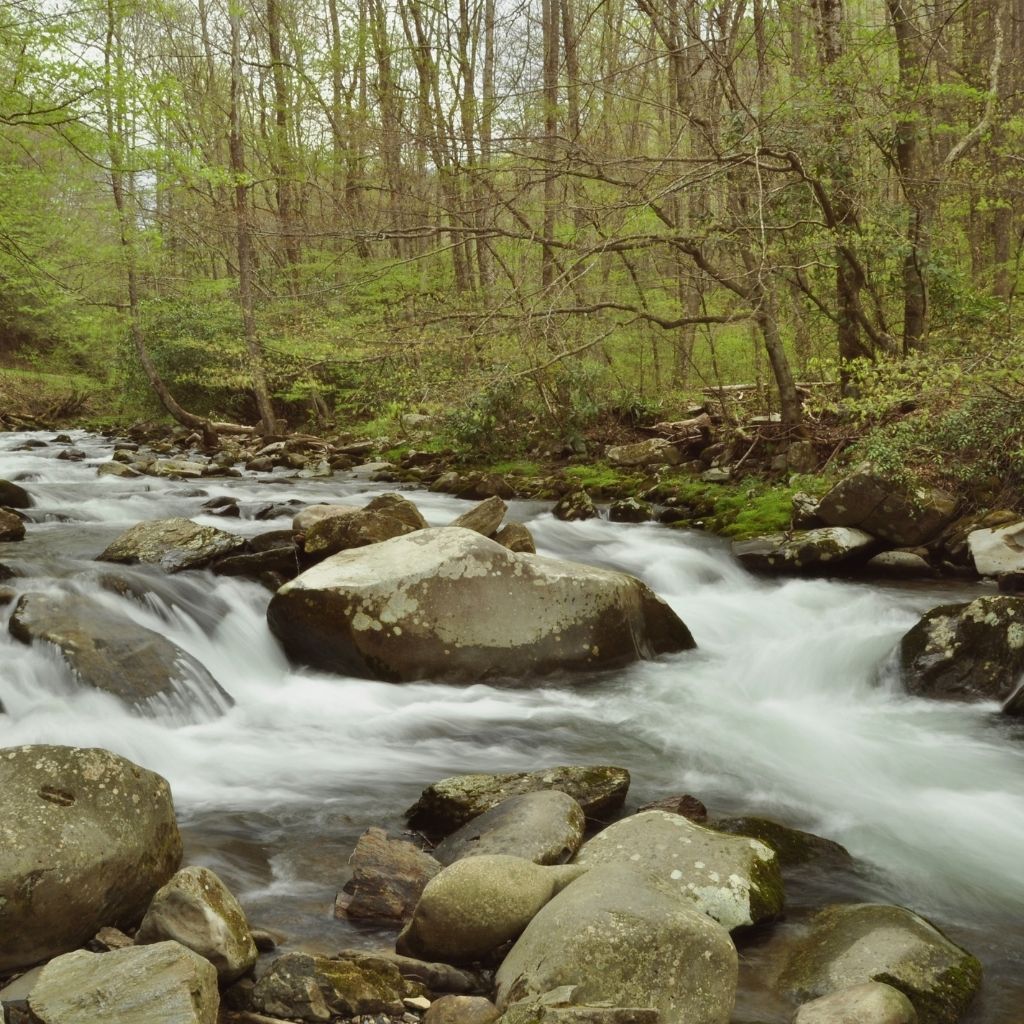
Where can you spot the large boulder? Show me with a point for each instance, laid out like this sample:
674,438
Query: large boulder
998,550
172,544
13,496
971,651
112,653
900,513
161,984
198,910
477,905
11,526
449,604
619,937
446,805
388,877
852,944
545,827
315,988
86,839
385,517
804,549
734,879
655,451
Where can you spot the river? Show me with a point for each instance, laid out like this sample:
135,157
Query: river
789,708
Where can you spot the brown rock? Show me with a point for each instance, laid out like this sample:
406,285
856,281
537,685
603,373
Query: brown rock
484,518
516,537
452,1009
686,805
11,526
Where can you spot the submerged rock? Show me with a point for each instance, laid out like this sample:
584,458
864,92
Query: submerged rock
970,651
86,839
112,653
14,496
475,906
617,937
734,879
197,909
804,549
545,827
445,805
852,944
388,877
452,605
172,544
161,984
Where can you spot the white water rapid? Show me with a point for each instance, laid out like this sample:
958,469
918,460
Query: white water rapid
785,710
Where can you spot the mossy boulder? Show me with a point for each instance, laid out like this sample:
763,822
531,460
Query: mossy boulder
852,944
160,984
198,910
446,805
317,988
477,905
86,839
619,937
545,827
803,550
791,845
452,605
733,879
172,544
969,651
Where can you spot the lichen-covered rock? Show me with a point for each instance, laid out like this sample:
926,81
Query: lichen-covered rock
317,988
655,451
446,805
388,877
630,510
516,537
872,1003
484,518
804,549
172,544
791,845
312,514
575,507
852,944
970,651
900,565
997,550
86,838
114,654
185,468
385,517
14,496
734,879
11,526
161,984
449,604
545,827
619,937
899,513
477,905
198,910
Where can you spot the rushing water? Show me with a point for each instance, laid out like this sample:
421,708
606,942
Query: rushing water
789,708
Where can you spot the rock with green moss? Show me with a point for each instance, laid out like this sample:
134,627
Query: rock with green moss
852,944
477,905
803,550
545,827
172,544
620,937
574,507
198,910
871,1003
446,805
435,977
791,845
734,879
452,605
160,984
655,451
317,988
896,511
970,651
86,839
